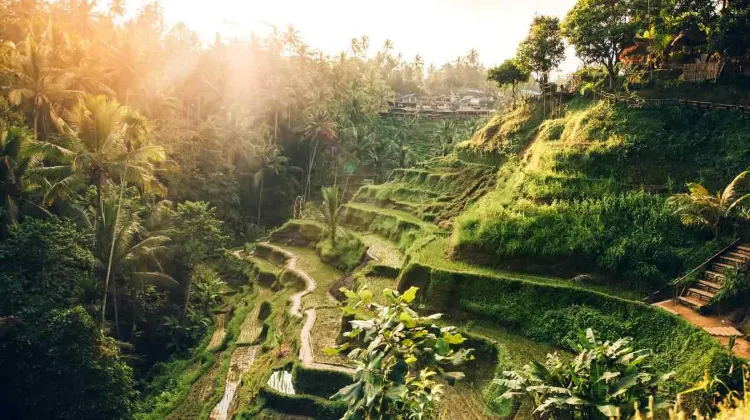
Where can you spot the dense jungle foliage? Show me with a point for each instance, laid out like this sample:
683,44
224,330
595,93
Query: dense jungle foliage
134,157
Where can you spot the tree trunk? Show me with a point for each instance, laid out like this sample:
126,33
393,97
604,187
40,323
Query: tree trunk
276,127
611,72
187,296
36,122
346,184
97,209
112,250
117,315
309,169
260,197
513,92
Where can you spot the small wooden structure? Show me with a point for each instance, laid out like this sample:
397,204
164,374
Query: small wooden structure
699,72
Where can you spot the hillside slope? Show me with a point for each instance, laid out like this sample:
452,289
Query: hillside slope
586,193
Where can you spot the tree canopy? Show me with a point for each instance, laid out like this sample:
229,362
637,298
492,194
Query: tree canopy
542,50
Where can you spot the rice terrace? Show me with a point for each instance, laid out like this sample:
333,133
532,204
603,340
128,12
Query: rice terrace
322,210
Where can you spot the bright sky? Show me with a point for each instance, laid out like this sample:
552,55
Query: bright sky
439,30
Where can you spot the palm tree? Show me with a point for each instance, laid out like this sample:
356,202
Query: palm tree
18,158
381,151
446,134
37,84
134,253
291,38
98,156
269,161
701,208
330,211
98,153
116,9
318,125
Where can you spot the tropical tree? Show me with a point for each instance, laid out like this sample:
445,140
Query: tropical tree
318,125
398,355
600,31
446,134
208,287
197,236
98,155
605,380
36,83
330,210
102,151
509,73
270,161
700,208
543,49
133,257
383,150
17,160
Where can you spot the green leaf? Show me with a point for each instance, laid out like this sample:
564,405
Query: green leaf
411,359
575,401
397,393
407,320
608,375
333,351
442,346
453,338
608,410
348,293
410,294
365,295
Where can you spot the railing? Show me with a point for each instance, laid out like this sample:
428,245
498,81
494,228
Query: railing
638,102
705,263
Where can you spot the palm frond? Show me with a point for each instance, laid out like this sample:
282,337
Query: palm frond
155,278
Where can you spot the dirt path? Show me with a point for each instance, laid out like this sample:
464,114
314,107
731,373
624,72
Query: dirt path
241,361
741,347
306,354
310,283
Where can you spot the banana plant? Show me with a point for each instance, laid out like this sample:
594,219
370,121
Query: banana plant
399,357
604,380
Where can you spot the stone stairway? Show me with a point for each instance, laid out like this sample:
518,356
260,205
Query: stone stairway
713,275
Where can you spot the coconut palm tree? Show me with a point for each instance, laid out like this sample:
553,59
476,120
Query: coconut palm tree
18,158
330,210
116,9
446,134
291,38
701,208
105,148
318,124
270,161
37,84
98,156
133,255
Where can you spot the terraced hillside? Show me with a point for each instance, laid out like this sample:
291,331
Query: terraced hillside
426,227
484,272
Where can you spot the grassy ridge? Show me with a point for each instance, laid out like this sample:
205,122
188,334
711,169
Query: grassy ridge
590,194
555,313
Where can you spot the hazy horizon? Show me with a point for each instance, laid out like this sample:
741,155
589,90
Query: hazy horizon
438,30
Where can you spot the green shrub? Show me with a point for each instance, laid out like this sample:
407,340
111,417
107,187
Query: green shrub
553,314
346,255
592,201
318,382
299,233
234,270
633,236
302,405
57,364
